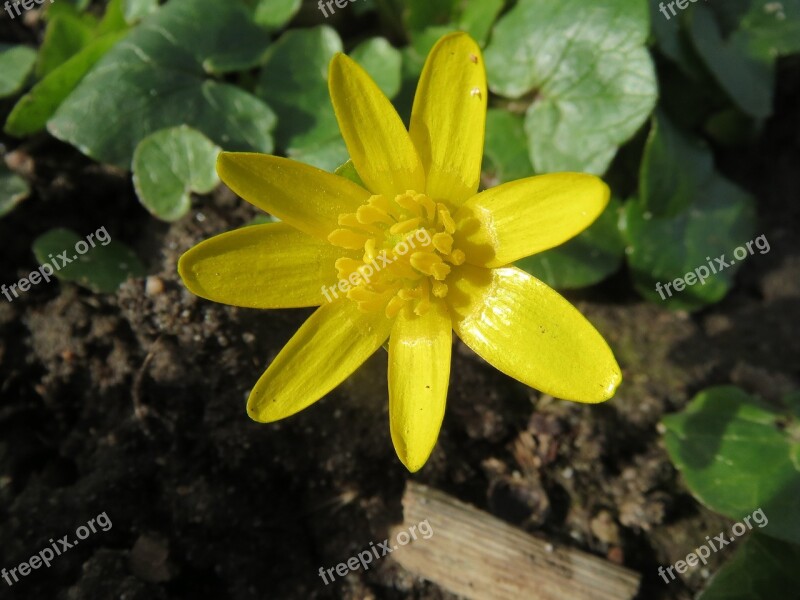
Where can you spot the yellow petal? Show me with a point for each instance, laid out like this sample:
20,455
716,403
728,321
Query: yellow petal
449,118
527,331
419,372
305,197
263,266
330,345
523,217
376,138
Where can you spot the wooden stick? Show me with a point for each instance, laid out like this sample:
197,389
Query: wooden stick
475,555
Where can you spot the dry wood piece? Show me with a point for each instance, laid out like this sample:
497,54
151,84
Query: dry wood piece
478,556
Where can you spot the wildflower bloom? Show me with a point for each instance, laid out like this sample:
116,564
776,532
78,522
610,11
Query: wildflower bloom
418,181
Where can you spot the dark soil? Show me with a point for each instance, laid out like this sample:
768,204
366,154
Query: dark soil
133,404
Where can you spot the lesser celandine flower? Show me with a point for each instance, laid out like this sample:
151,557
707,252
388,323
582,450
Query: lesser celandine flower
424,180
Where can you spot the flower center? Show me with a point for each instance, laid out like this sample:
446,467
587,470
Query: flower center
407,243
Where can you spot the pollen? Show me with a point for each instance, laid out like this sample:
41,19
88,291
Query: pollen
408,253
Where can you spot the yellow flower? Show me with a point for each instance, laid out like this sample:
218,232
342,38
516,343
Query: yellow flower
364,249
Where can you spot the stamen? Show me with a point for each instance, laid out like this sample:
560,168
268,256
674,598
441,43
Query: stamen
345,238
445,219
443,242
405,271
368,214
404,226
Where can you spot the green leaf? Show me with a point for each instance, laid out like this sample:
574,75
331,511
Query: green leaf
383,63
674,167
65,36
79,5
262,220
102,268
420,14
136,10
69,31
748,79
16,63
737,455
773,28
586,259
34,109
348,171
13,190
156,79
593,78
663,249
294,82
274,14
170,164
671,41
113,19
478,16
70,9
505,157
761,568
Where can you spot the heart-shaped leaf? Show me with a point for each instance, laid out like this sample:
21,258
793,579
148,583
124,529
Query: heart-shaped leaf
674,167
687,261
737,455
383,63
170,164
506,149
102,267
587,64
294,82
156,78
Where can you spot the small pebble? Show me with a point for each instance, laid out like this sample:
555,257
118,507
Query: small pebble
154,286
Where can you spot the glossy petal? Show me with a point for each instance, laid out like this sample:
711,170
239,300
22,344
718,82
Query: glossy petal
330,345
520,218
305,197
419,372
448,120
376,138
529,332
263,266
